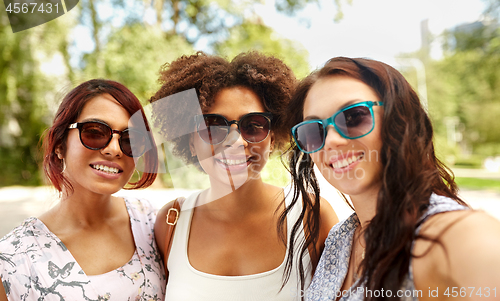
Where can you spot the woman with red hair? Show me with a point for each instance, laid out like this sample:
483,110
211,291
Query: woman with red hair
91,245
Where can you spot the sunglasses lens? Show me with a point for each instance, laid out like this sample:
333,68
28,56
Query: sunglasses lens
214,131
354,122
95,135
254,128
133,143
310,136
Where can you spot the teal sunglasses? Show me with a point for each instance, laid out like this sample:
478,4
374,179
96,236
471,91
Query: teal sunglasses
352,122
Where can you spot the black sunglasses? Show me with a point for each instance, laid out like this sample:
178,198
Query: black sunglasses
96,135
214,128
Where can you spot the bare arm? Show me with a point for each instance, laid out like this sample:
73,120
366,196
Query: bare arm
474,245
327,219
3,295
465,262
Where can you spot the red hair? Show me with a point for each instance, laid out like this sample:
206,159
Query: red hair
68,112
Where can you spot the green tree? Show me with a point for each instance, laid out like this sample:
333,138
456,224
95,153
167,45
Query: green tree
254,36
193,19
466,84
24,90
134,54
129,45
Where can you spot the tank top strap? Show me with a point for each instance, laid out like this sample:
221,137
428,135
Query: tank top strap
181,232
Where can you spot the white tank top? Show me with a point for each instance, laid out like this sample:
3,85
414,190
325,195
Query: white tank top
185,283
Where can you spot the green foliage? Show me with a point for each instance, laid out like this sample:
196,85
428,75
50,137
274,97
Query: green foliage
134,54
275,172
475,78
473,161
479,184
251,36
25,86
465,85
196,19
128,46
291,7
189,19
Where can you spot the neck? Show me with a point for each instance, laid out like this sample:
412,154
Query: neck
85,209
250,198
365,205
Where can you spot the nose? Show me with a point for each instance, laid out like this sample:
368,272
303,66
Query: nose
234,138
334,139
113,148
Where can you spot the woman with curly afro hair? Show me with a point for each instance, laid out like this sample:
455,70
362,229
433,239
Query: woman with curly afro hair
227,244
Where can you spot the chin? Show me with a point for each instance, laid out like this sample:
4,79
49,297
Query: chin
107,189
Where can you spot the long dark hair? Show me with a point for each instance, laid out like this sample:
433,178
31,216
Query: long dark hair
411,172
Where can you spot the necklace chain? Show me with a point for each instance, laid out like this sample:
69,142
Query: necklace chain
356,240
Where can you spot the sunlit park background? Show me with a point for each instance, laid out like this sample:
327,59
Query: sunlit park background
449,50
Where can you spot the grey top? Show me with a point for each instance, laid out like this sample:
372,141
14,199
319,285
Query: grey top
333,265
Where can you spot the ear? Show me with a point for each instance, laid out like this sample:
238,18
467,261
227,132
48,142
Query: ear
59,152
272,142
191,145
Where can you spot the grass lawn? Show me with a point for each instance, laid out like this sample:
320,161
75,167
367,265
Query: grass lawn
478,184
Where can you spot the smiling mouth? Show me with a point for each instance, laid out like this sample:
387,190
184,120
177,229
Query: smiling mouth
347,161
106,169
233,162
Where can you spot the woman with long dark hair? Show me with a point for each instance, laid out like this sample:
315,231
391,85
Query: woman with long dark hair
227,244
411,236
91,245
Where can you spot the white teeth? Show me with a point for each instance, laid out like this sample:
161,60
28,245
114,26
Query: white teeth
232,162
346,161
105,168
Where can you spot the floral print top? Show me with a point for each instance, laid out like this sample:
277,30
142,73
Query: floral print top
334,262
36,265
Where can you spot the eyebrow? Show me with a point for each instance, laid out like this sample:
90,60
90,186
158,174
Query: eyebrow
239,117
102,121
95,119
313,117
349,103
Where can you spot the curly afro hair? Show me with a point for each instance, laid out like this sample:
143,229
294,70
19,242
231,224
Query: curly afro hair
267,76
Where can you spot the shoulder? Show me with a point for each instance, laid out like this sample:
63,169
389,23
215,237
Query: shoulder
141,213
160,228
140,205
15,245
162,215
14,240
328,217
342,228
465,248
